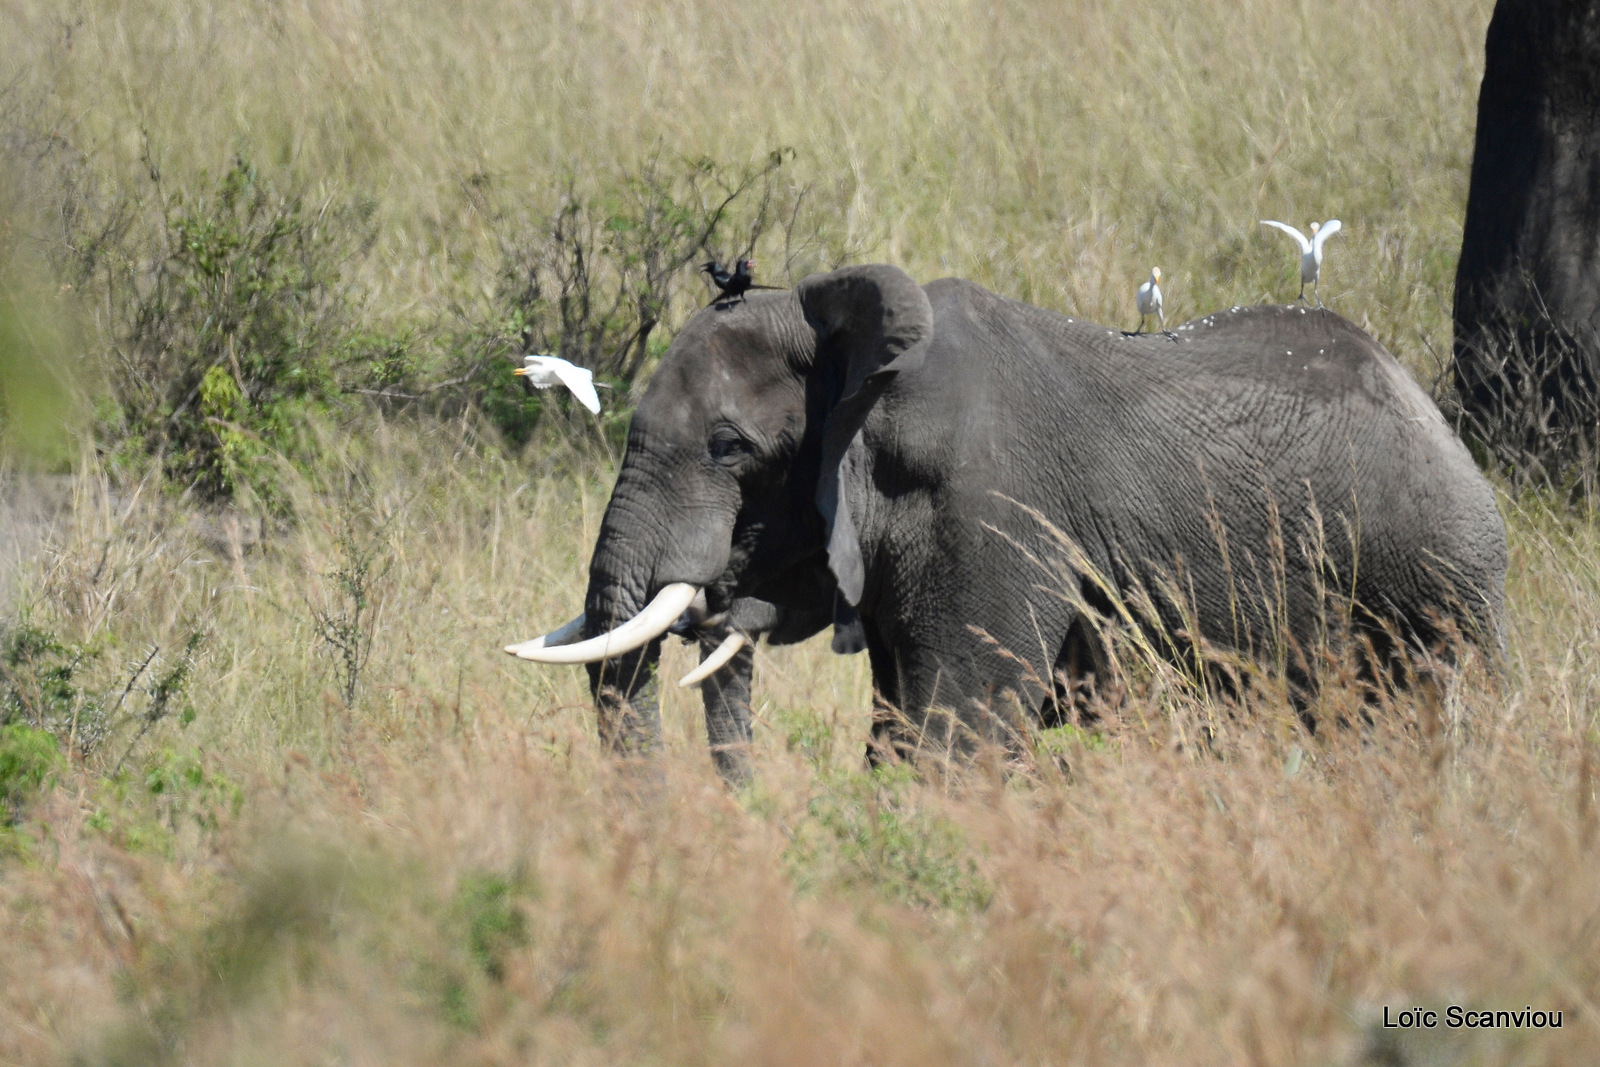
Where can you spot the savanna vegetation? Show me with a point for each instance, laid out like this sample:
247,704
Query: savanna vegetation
269,791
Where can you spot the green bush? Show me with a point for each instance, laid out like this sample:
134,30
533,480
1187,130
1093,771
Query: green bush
487,918
39,681
234,325
867,830
42,686
594,280
807,732
145,808
234,329
180,784
486,905
27,759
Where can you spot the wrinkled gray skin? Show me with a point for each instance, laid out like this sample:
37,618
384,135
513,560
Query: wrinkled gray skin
895,434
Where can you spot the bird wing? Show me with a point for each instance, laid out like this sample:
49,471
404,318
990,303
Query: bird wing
1329,228
1305,245
580,381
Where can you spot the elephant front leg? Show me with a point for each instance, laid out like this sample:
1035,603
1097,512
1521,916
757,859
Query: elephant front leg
627,697
727,698
893,738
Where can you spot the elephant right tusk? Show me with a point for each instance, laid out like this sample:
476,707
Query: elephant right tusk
562,635
713,663
637,632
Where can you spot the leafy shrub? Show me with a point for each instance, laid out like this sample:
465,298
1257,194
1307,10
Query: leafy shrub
42,686
27,759
233,328
144,808
595,279
487,907
179,782
345,615
807,732
867,830
232,322
1061,745
487,918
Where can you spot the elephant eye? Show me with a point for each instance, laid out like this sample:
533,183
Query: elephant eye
728,447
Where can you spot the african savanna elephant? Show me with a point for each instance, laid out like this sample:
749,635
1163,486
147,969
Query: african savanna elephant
934,451
1527,294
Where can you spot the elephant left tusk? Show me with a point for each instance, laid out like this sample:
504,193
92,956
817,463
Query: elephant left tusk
713,663
651,622
562,635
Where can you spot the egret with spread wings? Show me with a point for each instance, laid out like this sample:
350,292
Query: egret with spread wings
1310,250
545,371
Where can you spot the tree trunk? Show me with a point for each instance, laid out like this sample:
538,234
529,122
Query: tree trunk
1527,298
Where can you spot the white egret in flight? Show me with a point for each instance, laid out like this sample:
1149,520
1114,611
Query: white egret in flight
545,371
1310,250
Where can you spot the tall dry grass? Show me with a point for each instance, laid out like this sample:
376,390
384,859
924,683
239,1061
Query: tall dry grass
446,869
1053,152
450,870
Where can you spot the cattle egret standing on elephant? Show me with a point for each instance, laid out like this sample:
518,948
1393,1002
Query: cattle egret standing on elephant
1150,301
1310,251
545,371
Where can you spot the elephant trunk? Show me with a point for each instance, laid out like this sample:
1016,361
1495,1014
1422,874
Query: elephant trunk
625,687
644,574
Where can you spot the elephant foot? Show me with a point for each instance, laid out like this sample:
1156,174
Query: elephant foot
894,738
733,764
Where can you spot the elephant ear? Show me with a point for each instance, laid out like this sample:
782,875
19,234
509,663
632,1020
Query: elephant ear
871,322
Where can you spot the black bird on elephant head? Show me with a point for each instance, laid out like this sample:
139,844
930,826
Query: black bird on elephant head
734,284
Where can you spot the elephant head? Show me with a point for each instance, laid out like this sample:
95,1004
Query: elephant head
730,485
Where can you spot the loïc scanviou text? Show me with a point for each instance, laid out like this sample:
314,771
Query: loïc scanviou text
1456,1017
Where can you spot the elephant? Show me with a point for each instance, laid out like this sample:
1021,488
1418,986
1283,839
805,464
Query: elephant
1527,288
981,481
